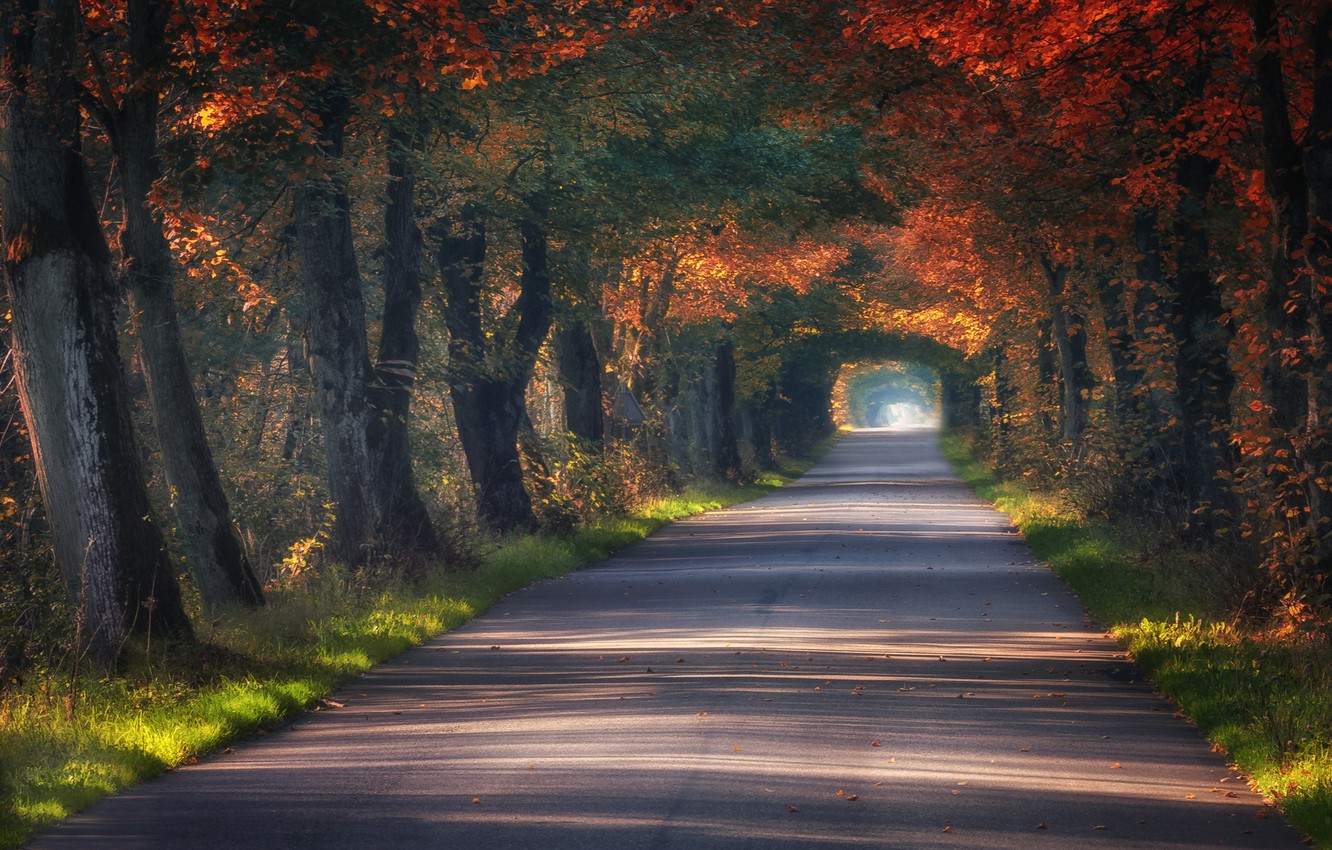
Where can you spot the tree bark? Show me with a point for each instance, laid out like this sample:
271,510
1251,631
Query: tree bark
1318,171
1298,183
404,529
1070,340
489,401
726,459
1119,340
338,351
1285,391
214,555
580,374
110,553
1204,377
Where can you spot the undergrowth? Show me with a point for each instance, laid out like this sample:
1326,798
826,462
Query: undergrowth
68,739
1261,693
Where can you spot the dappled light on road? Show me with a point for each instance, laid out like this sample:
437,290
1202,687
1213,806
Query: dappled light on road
864,659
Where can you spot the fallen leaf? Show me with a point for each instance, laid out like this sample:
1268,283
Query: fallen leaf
476,801
792,809
1116,766
947,829
1099,826
875,744
1042,825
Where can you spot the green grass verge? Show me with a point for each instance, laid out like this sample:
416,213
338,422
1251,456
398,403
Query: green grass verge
66,742
1263,696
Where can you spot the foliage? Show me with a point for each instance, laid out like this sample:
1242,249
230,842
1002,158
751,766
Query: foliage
575,483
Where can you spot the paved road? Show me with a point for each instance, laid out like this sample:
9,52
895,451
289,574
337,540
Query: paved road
867,658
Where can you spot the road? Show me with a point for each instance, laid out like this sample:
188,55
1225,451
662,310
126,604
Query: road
867,658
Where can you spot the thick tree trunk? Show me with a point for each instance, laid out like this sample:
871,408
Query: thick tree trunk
580,375
1284,388
1005,404
405,529
214,555
1048,394
1205,379
1318,171
726,458
1070,340
335,331
63,297
756,421
1299,187
489,400
1119,339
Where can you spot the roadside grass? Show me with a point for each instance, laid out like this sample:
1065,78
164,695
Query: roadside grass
1262,695
71,738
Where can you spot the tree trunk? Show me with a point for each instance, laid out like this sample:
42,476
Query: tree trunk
110,553
1070,340
580,376
1047,394
1205,379
726,459
1284,389
489,401
214,555
1119,340
1298,358
1005,404
335,331
404,529
1318,171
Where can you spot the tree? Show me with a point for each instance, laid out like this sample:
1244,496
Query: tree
110,552
490,373
216,560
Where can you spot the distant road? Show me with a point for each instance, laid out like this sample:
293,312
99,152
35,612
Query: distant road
867,658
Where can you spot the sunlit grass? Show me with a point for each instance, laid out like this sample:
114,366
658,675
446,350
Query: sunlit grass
66,742
1262,695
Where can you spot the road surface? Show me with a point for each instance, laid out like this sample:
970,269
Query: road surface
867,658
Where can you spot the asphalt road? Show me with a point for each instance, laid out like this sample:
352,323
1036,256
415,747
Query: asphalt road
867,658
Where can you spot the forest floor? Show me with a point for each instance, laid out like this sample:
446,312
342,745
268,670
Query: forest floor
869,657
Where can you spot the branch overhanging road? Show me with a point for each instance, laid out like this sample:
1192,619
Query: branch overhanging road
867,658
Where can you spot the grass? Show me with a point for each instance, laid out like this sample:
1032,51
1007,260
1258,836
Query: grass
1261,694
67,741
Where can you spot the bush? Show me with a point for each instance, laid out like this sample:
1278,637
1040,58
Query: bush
575,482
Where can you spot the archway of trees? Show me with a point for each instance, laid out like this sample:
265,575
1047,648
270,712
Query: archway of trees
359,275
